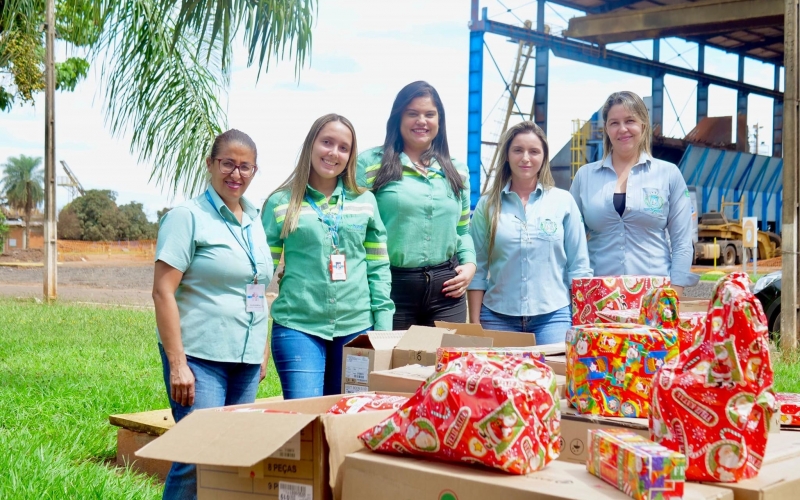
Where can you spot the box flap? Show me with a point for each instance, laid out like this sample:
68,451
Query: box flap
377,339
422,338
341,433
500,338
452,340
226,438
552,349
473,329
410,371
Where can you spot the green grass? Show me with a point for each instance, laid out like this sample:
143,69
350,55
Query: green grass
63,370
715,275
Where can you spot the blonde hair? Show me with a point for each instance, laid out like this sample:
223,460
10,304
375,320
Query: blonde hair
298,180
635,105
503,172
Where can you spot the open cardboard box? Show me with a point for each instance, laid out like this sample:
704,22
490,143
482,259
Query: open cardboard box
373,476
365,354
408,379
266,455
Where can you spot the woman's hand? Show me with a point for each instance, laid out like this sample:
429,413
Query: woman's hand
181,384
457,286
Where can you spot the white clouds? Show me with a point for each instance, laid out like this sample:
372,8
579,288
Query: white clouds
363,53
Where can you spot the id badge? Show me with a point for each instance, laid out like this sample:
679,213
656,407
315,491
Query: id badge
255,298
338,267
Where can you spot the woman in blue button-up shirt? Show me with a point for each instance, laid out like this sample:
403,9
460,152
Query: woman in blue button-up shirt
636,208
529,243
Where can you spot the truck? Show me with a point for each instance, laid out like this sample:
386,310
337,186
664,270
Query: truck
717,237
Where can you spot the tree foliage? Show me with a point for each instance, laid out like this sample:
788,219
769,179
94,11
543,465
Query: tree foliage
164,64
3,231
95,216
23,186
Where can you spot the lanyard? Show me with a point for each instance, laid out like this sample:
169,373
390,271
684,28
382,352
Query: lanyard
332,223
248,250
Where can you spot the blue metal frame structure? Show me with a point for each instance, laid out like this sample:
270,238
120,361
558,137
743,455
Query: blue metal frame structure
756,177
580,51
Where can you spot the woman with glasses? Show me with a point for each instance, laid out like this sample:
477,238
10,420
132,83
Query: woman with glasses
211,270
636,208
423,197
336,277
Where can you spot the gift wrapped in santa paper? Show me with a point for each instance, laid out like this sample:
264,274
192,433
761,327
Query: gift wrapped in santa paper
444,355
501,414
366,401
637,466
790,408
610,368
658,309
591,295
714,403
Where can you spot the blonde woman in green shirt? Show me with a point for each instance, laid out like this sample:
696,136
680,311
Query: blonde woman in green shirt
336,280
423,197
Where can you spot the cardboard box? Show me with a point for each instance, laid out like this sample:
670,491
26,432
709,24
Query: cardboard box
409,378
575,429
778,480
365,354
419,344
373,476
693,305
558,363
499,338
264,455
403,379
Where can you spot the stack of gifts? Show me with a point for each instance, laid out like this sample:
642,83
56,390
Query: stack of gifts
617,293
715,402
610,368
660,308
637,466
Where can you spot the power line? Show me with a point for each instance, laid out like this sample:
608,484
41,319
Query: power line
679,54
508,87
666,91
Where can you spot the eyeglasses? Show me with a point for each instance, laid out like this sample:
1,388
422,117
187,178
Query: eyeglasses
227,166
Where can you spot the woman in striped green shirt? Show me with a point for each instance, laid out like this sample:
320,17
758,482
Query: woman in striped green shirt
336,280
423,198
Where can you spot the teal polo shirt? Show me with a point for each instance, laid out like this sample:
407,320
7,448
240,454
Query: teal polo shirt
194,239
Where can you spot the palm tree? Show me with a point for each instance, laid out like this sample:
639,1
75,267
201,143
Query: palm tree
23,187
166,63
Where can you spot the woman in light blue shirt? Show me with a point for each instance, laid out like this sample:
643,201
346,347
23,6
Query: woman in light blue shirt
212,265
636,208
529,243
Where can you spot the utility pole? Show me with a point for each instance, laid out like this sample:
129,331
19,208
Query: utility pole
50,242
791,168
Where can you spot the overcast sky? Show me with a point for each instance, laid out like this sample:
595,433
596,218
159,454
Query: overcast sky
364,51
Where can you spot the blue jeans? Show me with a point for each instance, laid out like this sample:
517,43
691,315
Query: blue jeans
307,365
549,328
215,384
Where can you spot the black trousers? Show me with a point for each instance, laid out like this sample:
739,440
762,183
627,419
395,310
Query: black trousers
418,298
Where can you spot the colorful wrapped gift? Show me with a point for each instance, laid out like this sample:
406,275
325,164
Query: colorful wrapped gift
637,466
658,310
715,402
501,414
610,368
790,408
444,355
590,295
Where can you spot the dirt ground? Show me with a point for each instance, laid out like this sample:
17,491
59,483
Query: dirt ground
102,279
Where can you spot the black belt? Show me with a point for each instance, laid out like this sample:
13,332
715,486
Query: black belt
448,264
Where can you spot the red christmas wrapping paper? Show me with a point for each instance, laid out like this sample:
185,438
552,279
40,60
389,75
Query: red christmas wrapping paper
590,295
444,355
358,403
610,368
790,408
658,310
642,469
715,401
497,413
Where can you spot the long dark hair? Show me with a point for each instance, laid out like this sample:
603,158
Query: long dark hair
391,169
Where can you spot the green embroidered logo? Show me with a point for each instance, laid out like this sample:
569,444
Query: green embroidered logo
548,227
654,202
